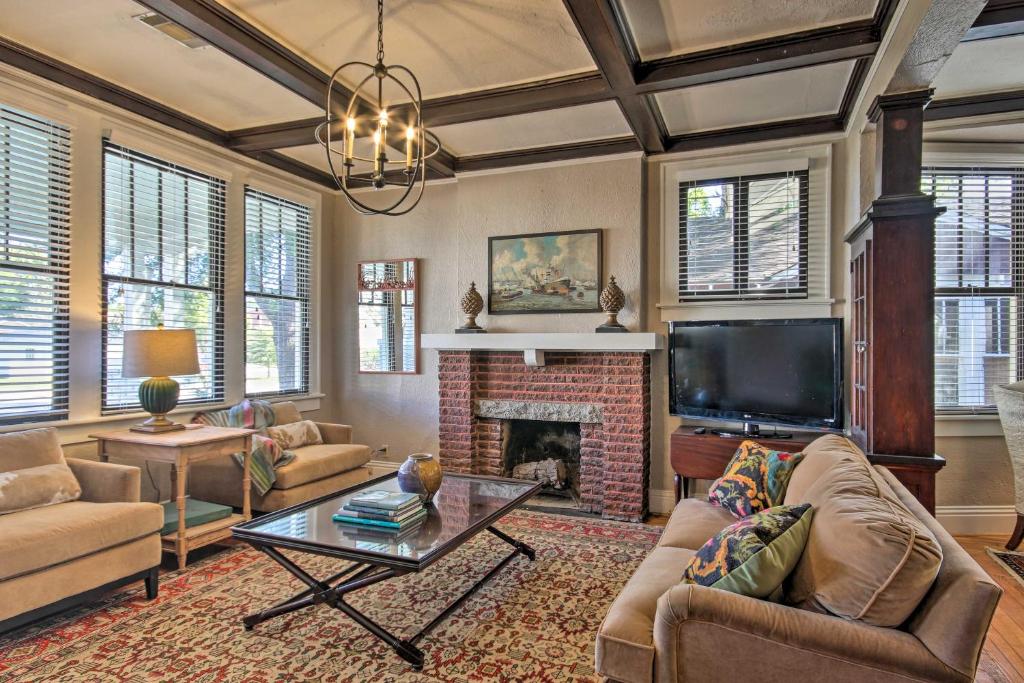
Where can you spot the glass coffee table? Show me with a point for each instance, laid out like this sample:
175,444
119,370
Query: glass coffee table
465,506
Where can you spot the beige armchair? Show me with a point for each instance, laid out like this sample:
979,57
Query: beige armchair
317,470
54,556
1010,400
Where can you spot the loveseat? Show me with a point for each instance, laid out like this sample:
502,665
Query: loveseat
661,629
58,551
317,470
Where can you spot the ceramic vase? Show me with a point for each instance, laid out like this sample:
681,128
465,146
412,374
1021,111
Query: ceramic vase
420,473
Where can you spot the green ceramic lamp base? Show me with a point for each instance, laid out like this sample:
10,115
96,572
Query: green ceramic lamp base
158,396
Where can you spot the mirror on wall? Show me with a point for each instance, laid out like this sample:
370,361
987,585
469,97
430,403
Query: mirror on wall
388,316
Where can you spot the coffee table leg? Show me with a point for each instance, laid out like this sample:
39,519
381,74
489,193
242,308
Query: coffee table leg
518,545
322,592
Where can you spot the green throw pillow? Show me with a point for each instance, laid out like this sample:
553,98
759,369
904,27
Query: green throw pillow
755,479
754,555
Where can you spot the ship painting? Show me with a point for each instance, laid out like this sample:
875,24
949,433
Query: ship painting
555,272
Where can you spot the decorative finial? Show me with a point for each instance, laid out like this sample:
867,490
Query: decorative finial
612,300
472,303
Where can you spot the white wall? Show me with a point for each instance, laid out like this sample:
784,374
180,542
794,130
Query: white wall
448,231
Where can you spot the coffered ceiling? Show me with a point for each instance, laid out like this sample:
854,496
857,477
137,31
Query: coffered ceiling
505,82
661,28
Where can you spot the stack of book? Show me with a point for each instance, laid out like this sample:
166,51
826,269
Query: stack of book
382,510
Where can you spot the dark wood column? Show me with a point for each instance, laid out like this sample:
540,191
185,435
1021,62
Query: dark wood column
892,281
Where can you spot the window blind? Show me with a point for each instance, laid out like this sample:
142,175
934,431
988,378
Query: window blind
979,263
744,237
35,243
277,295
163,263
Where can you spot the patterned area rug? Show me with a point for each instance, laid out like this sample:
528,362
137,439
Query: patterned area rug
532,622
1012,562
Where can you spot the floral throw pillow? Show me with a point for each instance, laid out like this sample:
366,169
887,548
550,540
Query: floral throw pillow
754,555
755,479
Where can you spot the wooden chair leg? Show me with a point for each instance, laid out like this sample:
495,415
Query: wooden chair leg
152,583
1018,533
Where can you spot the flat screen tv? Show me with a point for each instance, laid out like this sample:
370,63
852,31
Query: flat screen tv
777,372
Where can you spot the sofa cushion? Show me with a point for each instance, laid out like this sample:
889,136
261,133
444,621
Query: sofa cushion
30,448
693,522
820,456
35,487
625,640
35,539
867,557
754,555
286,412
295,435
754,480
316,462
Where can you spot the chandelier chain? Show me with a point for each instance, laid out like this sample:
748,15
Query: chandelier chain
380,31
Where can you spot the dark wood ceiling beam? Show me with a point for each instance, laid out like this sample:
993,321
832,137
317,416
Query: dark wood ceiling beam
813,48
612,50
741,135
51,69
975,105
540,155
526,98
999,19
294,167
244,42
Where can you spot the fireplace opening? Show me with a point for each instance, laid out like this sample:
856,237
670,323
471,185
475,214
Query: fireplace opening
545,452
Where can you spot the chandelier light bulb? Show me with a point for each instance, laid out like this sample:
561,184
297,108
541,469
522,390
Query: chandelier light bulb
351,123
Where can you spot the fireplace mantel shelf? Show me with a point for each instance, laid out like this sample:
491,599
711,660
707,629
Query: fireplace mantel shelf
533,346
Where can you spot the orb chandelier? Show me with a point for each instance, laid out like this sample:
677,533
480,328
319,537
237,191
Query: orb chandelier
410,172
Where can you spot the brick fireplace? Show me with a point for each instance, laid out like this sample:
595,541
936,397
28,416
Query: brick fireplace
607,393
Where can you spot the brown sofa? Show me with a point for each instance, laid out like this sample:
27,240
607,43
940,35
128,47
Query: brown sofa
335,464
659,629
58,552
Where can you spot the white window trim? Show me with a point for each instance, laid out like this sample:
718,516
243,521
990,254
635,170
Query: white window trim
817,159
314,201
91,121
970,155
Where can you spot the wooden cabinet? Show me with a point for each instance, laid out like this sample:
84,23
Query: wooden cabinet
892,375
704,456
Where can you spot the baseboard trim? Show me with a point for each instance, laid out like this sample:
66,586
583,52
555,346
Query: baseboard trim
661,502
964,520
977,519
381,467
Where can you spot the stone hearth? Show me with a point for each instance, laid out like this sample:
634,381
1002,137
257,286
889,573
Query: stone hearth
607,393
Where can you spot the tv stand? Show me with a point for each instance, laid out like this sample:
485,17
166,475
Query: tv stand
751,430
705,455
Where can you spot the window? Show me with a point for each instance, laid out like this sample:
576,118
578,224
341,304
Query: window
163,263
387,317
744,237
277,287
35,158
978,287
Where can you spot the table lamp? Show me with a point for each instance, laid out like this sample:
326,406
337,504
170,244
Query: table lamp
157,354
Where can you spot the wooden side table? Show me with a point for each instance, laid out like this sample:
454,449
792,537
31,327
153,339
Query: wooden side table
179,449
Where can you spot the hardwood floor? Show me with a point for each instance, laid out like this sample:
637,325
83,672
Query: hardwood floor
1002,660
1003,657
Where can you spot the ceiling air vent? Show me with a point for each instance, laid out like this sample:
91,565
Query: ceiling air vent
175,31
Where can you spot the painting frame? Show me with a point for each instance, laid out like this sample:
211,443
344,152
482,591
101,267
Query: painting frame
598,259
